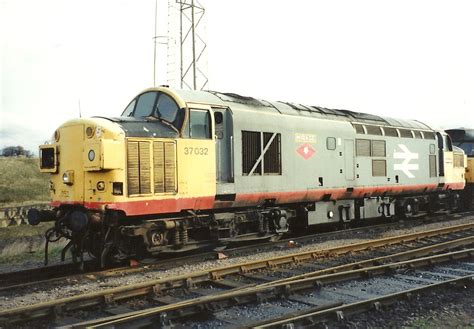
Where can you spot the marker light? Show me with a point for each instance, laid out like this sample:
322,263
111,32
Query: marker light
68,177
91,155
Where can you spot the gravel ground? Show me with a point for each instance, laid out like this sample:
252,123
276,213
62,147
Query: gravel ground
453,308
411,315
41,294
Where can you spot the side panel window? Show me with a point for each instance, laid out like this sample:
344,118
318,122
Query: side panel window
145,104
199,124
373,130
447,142
392,132
405,133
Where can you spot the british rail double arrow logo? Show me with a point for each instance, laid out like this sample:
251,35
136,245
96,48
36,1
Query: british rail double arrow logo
406,166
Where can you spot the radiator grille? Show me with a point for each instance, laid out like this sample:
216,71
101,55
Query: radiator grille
379,168
378,148
133,171
159,166
141,164
170,167
164,158
363,147
272,158
145,170
251,150
138,167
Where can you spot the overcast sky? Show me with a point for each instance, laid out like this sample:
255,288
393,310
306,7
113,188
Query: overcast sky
407,59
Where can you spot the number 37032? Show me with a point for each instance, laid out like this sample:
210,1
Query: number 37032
195,150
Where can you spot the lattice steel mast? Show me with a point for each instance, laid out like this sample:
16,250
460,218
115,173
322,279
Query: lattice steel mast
192,45
185,23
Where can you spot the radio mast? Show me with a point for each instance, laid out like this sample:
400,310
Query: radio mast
186,60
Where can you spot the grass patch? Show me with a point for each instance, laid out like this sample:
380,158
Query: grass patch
12,232
21,181
30,251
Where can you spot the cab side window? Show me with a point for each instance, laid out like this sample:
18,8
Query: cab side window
448,143
129,110
199,124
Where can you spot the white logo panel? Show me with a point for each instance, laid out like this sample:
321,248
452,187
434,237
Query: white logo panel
407,156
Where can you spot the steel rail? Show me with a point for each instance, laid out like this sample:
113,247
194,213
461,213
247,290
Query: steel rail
401,256
106,296
312,317
254,293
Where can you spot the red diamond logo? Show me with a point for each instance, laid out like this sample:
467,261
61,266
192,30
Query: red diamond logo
306,151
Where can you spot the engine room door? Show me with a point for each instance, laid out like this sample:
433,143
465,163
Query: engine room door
224,145
441,154
349,159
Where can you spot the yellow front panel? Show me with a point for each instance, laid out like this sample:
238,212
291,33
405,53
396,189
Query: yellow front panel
448,167
196,168
70,151
470,170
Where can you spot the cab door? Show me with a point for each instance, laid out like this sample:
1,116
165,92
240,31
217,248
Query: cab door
196,159
224,145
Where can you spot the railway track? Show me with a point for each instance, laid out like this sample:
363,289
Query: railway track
59,272
246,277
334,294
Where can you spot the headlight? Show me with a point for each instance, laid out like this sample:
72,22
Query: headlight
91,155
101,186
68,177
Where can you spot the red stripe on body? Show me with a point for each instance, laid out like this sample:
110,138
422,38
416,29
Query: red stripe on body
336,194
143,207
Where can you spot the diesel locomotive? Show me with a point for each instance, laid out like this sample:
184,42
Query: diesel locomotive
187,169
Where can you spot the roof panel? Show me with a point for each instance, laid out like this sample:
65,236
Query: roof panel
218,98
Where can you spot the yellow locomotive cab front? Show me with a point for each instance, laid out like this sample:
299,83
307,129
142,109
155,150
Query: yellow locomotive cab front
156,160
